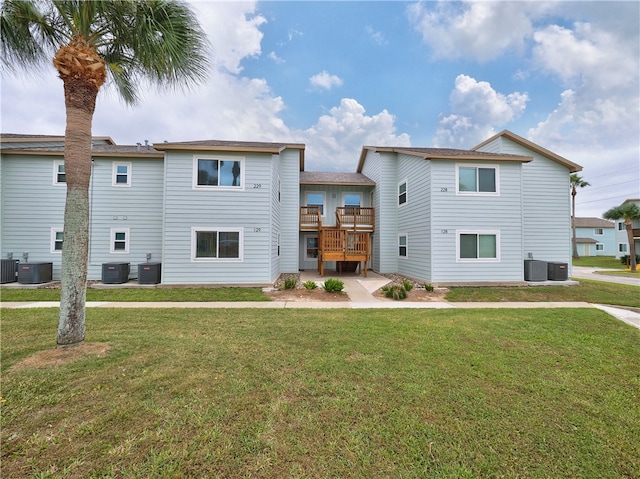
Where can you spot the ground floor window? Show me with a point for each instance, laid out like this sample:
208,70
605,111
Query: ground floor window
310,248
119,240
622,247
599,247
402,246
57,236
478,246
210,244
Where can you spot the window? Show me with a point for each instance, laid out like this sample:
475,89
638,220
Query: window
402,193
316,199
56,240
478,246
119,240
352,203
402,246
121,174
599,231
310,248
621,226
59,177
599,247
279,189
477,180
211,172
212,244
622,247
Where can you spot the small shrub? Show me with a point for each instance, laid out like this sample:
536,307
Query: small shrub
407,285
395,291
310,285
624,259
333,285
428,287
290,283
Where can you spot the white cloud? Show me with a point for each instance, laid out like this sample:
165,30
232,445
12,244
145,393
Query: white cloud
325,80
476,108
376,36
275,58
336,140
480,30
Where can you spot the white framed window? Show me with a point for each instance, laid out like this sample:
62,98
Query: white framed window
478,246
481,180
402,193
310,247
598,231
623,247
314,198
218,173
59,176
57,237
352,202
119,240
216,244
599,247
402,245
621,226
121,174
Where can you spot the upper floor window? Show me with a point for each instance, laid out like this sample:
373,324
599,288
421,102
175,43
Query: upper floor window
119,240
59,176
402,193
621,226
481,180
478,245
57,236
316,199
121,174
352,203
212,244
218,173
599,231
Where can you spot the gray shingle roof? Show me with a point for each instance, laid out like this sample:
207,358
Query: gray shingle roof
334,178
593,223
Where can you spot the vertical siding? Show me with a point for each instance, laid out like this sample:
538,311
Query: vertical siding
414,217
452,213
137,207
371,169
290,210
386,238
247,209
31,206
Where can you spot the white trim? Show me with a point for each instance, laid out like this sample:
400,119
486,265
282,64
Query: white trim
344,195
112,240
623,248
324,200
114,174
476,166
196,229
54,232
406,245
239,159
56,171
599,246
595,231
495,233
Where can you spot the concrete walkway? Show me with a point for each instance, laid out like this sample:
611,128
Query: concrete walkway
585,272
360,291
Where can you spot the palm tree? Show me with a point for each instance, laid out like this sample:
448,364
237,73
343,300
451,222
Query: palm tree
575,181
89,41
628,212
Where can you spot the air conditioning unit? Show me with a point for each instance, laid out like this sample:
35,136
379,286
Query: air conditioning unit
149,273
115,273
9,271
535,270
34,273
558,271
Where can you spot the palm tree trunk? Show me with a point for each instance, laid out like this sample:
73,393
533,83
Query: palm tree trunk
632,245
80,99
573,223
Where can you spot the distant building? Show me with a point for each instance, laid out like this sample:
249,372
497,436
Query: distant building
595,237
621,239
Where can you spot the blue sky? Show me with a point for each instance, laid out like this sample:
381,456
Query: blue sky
339,75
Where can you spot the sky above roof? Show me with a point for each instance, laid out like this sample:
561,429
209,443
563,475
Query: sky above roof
340,75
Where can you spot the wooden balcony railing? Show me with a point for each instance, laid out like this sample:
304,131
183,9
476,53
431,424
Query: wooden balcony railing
357,218
636,232
310,218
343,245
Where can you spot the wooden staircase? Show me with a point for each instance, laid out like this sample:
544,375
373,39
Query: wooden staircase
348,241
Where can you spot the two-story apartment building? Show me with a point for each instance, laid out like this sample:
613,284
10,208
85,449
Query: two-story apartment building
595,237
230,212
621,237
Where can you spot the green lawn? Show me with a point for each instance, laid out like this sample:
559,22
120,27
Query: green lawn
325,394
608,262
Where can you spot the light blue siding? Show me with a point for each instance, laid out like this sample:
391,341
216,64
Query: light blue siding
289,208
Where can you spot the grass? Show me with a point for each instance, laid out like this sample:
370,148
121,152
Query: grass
588,291
312,394
607,262
139,294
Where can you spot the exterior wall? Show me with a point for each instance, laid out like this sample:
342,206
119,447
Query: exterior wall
546,204
415,218
621,238
136,208
453,213
289,205
607,239
31,206
246,209
372,170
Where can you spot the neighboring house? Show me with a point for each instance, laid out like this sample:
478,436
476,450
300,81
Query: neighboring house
595,237
621,238
221,212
